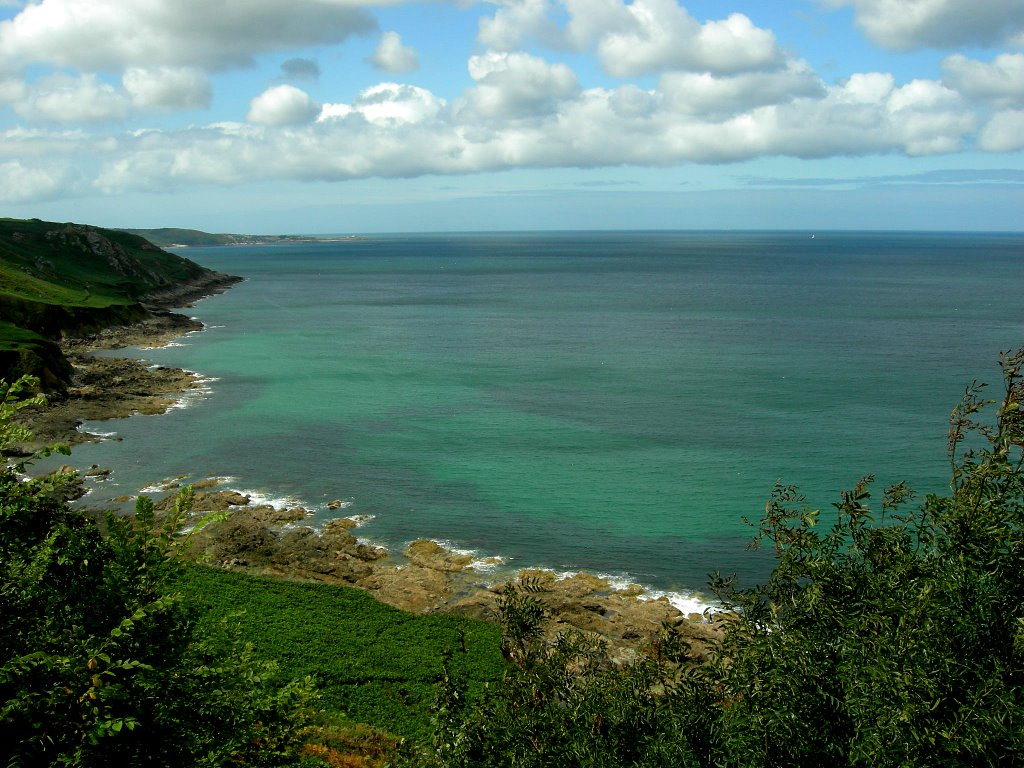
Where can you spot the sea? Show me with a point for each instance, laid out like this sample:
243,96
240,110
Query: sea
620,403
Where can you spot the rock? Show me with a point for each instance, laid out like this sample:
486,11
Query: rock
369,553
631,590
582,584
335,504
430,554
341,525
269,515
481,605
239,537
218,501
410,588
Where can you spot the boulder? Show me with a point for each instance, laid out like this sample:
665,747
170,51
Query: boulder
430,554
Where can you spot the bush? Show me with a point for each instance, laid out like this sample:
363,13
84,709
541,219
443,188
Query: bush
101,664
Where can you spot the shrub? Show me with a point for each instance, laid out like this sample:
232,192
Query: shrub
101,664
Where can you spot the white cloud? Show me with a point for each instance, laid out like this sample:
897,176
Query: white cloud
392,56
387,105
907,24
335,112
929,118
1004,132
657,35
517,85
396,130
282,105
64,99
12,90
708,95
392,103
641,37
866,88
98,35
1000,82
167,87
517,20
24,143
28,184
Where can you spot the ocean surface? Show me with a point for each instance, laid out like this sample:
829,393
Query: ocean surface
609,402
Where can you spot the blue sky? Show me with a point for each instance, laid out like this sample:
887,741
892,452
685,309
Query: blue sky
334,116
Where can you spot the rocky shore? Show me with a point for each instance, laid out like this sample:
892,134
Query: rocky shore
424,578
279,543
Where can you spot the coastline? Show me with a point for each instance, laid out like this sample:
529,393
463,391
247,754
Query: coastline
271,541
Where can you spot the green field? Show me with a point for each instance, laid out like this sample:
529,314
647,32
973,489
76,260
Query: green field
373,663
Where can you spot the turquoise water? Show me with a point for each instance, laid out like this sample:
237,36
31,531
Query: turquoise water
600,401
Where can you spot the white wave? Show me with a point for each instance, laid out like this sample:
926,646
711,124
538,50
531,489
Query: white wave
359,520
221,479
165,485
685,603
199,390
260,499
485,563
95,432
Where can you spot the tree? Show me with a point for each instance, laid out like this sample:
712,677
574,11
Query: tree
102,663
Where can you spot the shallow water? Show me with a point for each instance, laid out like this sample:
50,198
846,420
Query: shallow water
614,402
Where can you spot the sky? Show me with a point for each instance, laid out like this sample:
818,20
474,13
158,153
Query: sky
362,116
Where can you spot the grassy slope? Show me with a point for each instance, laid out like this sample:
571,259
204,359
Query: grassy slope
373,663
76,266
58,277
165,237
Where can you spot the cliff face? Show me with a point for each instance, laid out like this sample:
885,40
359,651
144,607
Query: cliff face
72,280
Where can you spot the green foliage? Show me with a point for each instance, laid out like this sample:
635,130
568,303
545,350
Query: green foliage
563,702
81,266
892,637
69,277
101,664
892,640
372,663
12,400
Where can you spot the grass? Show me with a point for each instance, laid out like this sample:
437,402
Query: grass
13,337
59,277
373,663
40,261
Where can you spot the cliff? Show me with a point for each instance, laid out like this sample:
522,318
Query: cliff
69,280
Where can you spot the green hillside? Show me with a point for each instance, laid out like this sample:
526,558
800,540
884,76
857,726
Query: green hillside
77,265
168,237
60,278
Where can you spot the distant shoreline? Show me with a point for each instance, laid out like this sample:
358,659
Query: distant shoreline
269,241
168,237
